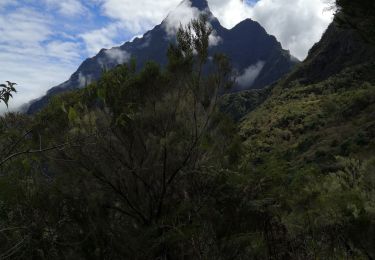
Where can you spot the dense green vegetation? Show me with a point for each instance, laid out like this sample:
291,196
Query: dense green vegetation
313,147
157,165
358,15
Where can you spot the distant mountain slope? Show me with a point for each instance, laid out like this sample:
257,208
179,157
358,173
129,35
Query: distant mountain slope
323,109
257,57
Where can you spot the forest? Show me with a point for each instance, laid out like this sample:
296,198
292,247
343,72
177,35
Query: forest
158,163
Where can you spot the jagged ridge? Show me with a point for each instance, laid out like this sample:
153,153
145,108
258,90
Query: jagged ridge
246,45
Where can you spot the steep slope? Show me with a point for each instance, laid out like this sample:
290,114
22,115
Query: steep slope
339,48
257,57
321,110
310,147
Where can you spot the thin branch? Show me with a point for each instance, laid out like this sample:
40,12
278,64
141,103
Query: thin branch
17,142
60,146
12,228
33,152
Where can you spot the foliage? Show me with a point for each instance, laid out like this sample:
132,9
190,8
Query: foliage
6,91
316,144
359,15
156,164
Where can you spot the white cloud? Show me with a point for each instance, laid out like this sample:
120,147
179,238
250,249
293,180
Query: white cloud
114,55
98,39
29,57
181,15
138,16
229,12
24,27
38,51
68,8
247,78
4,3
117,55
66,51
297,24
71,8
84,80
33,74
214,39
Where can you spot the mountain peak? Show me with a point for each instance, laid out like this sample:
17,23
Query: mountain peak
199,4
255,55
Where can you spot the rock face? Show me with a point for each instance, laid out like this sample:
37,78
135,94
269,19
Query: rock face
257,57
340,47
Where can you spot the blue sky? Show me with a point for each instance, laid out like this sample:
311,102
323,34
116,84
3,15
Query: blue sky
43,41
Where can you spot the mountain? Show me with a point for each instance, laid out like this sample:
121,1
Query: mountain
257,57
283,172
324,109
339,48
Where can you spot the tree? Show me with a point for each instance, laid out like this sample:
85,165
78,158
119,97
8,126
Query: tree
6,91
154,137
159,124
359,15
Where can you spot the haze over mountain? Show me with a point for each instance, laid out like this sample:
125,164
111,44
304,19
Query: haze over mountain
257,56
